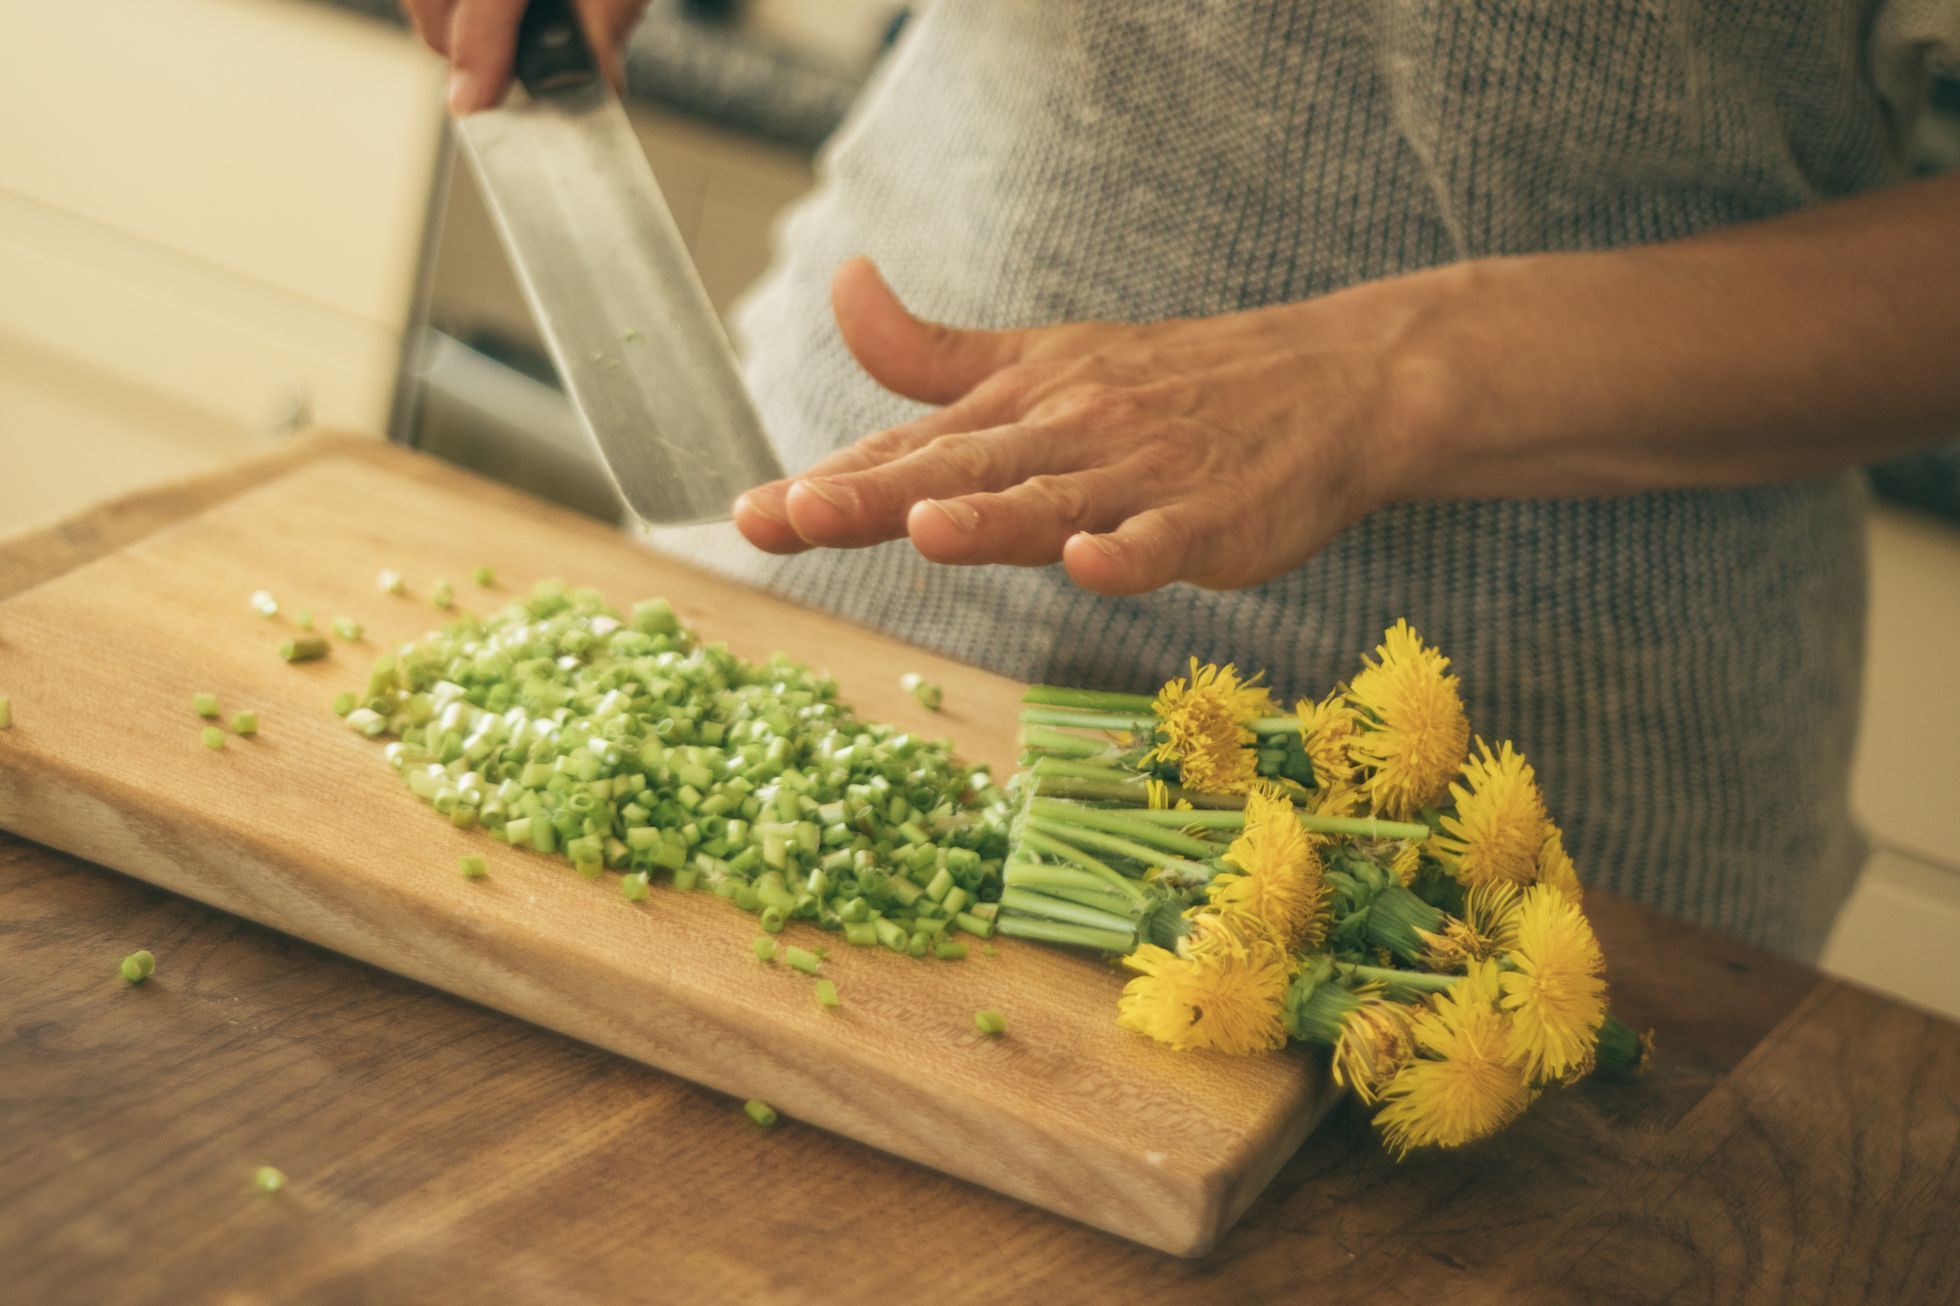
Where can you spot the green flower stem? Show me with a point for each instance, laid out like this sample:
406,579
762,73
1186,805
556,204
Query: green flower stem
1317,1009
1198,872
1275,725
1156,833
1043,739
1620,1047
1050,846
1086,720
1096,700
1420,982
1130,792
1365,827
1100,899
1081,936
1394,917
1063,767
1018,901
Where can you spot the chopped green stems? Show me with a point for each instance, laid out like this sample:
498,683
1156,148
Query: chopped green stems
205,705
1108,876
634,886
1128,722
773,919
268,1179
1195,872
1365,827
1026,902
343,703
214,737
1156,833
760,1112
264,604
1093,700
303,648
1061,767
978,927
139,966
990,1021
245,723
473,868
949,950
1081,936
1415,981
442,594
826,993
1042,739
924,690
765,948
347,628
990,949
803,959
391,582
6,712
485,577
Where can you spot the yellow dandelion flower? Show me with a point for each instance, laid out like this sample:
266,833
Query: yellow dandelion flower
1415,732
1406,861
1499,823
1556,869
1279,880
1325,729
1488,926
1204,723
1377,1039
1156,794
1555,995
1228,997
1463,1084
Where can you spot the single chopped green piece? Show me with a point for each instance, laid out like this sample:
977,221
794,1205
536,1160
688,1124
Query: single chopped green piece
205,705
245,723
347,628
443,594
990,1021
922,689
634,886
946,950
343,703
773,919
214,737
765,948
826,993
990,949
803,959
264,604
760,1112
268,1179
473,868
486,577
303,648
139,966
391,582
303,618
6,712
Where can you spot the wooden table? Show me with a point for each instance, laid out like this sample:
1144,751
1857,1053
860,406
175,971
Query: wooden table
1800,1140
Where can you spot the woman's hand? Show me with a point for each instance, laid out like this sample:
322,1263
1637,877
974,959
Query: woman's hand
1221,451
479,38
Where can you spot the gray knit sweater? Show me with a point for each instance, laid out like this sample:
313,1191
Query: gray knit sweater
1681,667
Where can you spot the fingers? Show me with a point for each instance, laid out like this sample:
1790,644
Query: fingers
1179,541
1027,524
482,45
908,355
854,509
430,19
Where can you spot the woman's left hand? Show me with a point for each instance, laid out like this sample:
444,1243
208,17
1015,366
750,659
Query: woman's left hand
1221,451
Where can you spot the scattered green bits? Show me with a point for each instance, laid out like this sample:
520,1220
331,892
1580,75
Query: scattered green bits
443,595
268,1179
139,966
803,959
264,604
990,1021
634,886
486,577
303,648
245,723
347,628
205,705
826,993
214,737
391,582
343,703
760,1112
473,868
922,689
765,948
948,950
303,618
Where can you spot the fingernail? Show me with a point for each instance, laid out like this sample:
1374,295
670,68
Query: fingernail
761,507
1109,546
458,92
839,496
964,516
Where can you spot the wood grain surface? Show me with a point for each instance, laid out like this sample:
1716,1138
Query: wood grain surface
1795,1144
305,827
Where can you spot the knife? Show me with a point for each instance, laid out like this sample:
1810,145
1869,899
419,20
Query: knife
603,266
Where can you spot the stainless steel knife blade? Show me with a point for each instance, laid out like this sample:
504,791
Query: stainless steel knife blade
623,312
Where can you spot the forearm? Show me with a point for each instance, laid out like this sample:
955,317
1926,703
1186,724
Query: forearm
1780,349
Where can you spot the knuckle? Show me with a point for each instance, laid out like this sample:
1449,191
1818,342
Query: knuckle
971,456
1064,496
886,444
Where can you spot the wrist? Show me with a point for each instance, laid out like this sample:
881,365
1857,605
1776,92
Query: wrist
1430,426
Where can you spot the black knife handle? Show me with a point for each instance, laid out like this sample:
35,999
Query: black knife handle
552,53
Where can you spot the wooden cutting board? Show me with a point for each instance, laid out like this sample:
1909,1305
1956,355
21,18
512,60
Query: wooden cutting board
306,828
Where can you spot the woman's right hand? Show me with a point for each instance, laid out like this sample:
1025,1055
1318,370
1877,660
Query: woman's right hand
479,38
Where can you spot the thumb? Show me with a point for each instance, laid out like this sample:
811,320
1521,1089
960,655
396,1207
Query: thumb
908,355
